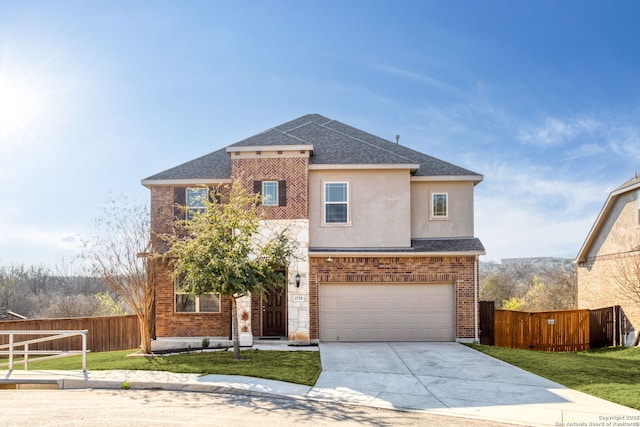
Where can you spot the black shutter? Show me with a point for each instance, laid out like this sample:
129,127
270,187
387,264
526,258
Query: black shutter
214,194
282,193
179,200
257,189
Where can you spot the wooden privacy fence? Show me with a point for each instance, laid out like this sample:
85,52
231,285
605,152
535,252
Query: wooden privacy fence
569,330
546,331
607,327
107,333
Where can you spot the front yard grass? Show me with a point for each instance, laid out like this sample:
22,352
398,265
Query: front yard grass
611,373
300,367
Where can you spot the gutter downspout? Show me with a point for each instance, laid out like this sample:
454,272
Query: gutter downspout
475,299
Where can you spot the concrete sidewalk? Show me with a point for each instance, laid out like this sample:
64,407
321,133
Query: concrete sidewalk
442,378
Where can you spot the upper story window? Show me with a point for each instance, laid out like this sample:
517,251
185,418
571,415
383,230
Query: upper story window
439,205
274,193
270,193
336,202
195,200
187,302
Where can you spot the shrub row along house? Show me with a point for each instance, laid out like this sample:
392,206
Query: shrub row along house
386,247
609,260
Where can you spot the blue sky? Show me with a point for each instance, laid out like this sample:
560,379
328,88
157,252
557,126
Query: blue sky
541,97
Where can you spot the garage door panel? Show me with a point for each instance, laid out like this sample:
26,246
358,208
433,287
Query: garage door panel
387,312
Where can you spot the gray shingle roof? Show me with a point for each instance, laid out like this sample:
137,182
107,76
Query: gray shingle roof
426,246
211,166
333,143
454,244
633,181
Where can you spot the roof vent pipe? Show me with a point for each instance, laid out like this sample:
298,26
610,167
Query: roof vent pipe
397,139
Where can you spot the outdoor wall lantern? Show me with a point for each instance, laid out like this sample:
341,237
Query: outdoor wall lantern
297,280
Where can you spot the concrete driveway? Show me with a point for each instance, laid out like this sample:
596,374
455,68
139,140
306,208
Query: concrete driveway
452,379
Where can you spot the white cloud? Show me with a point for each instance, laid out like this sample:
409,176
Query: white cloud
526,210
556,131
26,244
625,141
423,79
587,150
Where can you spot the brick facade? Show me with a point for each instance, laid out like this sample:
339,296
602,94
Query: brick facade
597,289
172,324
438,269
293,170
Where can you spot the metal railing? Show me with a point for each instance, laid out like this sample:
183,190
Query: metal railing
53,354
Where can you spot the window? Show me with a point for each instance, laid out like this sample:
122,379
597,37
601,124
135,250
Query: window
187,302
195,200
270,193
336,202
274,193
439,207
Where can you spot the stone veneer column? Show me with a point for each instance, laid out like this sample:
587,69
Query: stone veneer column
244,305
298,324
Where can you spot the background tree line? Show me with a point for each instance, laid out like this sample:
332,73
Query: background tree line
40,292
536,284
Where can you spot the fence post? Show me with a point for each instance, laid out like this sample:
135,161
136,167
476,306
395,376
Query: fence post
26,357
84,350
11,351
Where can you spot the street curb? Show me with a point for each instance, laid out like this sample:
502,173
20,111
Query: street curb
71,384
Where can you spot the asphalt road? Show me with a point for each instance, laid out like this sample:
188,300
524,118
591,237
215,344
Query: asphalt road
169,408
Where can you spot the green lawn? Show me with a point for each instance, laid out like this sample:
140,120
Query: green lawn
300,367
612,373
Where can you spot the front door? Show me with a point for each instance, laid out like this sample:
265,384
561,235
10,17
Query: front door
274,305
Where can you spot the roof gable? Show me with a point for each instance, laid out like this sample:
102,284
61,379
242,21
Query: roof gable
334,143
631,185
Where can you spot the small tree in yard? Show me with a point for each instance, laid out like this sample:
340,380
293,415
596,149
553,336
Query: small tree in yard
223,253
120,254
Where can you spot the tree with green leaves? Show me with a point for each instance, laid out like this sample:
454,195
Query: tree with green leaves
225,250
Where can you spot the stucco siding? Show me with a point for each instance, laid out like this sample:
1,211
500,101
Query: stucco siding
459,221
379,209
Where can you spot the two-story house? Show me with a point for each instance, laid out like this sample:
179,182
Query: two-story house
386,250
609,260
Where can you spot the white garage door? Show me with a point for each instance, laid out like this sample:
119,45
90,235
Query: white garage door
387,312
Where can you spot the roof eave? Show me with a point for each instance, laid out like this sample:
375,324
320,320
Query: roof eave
252,148
432,178
333,166
595,228
185,181
403,253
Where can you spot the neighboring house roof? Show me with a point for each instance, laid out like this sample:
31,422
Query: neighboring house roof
458,245
630,185
332,142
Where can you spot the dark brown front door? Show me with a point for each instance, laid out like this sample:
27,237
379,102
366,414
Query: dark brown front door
274,314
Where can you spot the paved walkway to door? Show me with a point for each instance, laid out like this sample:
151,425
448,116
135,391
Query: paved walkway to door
452,379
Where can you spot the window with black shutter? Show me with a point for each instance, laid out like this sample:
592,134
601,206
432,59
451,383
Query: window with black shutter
274,193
